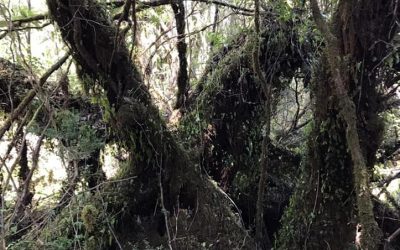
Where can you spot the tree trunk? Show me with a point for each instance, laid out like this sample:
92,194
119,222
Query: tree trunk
356,28
137,124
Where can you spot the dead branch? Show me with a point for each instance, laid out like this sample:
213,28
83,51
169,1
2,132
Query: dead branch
31,94
26,194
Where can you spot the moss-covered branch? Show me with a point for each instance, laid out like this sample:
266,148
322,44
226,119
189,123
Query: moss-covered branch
138,126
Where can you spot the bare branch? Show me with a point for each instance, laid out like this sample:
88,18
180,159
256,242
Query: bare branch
20,21
6,32
154,3
31,94
17,24
394,235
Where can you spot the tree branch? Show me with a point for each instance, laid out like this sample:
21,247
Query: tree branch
31,94
155,3
20,21
183,79
17,24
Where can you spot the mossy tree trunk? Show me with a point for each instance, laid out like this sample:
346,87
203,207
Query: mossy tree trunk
183,77
233,105
157,161
346,133
321,209
370,235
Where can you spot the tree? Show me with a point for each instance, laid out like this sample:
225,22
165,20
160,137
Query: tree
161,167
323,76
353,122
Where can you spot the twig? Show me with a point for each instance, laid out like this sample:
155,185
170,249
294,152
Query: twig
155,3
387,181
163,209
389,240
109,224
31,94
187,34
25,192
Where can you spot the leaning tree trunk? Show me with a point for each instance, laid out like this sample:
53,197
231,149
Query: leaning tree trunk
157,161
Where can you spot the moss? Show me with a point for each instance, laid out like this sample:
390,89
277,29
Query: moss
89,216
323,198
296,217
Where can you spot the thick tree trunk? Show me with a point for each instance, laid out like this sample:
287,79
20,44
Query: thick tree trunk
320,212
356,28
232,108
136,122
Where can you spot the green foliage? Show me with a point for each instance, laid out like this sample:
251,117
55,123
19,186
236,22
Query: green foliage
217,39
60,243
392,129
284,11
79,139
85,222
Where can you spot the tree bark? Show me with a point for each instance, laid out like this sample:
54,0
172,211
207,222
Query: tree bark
370,232
138,126
262,237
183,78
345,113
